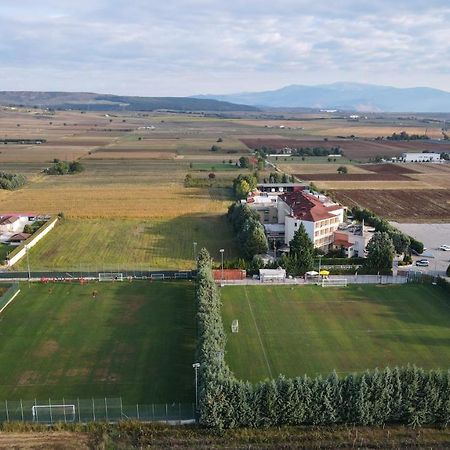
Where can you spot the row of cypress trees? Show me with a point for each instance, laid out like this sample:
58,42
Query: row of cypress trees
406,395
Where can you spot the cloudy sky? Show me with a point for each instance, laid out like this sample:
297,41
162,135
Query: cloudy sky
175,47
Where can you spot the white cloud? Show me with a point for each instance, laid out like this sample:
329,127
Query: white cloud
184,47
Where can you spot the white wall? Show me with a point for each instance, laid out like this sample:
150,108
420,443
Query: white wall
21,253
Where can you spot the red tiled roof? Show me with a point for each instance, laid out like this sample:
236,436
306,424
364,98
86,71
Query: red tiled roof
308,207
342,243
19,237
5,220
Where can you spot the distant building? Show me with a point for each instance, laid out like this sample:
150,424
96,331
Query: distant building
421,157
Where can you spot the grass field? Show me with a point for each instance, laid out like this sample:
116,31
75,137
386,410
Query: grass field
97,244
134,340
310,329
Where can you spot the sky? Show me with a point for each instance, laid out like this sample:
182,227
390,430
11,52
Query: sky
178,48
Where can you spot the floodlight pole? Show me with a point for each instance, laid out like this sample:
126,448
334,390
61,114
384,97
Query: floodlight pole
195,250
196,366
28,263
222,250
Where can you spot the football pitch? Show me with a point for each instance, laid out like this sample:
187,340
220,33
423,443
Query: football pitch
133,340
314,330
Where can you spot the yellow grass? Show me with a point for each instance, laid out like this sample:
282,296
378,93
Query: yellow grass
119,201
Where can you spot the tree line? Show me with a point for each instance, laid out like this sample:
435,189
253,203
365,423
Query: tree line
402,242
249,230
407,395
11,181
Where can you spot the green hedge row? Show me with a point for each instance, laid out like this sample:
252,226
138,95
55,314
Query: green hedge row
401,395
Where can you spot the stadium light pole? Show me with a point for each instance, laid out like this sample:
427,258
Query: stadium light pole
222,250
196,366
28,262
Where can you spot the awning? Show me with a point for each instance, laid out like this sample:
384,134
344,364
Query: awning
324,273
312,273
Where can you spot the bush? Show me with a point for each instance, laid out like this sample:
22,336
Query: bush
11,181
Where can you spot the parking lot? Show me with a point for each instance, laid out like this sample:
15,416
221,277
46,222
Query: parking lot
433,235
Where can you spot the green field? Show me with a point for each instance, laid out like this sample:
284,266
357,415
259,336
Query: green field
134,340
100,244
309,329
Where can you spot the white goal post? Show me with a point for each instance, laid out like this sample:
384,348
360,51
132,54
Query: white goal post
53,413
110,276
235,326
336,282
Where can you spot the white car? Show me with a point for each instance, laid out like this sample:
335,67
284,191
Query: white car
445,248
423,263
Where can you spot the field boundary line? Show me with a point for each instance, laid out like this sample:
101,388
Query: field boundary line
10,300
259,334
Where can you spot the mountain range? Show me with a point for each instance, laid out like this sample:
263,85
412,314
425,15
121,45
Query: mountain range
107,102
345,96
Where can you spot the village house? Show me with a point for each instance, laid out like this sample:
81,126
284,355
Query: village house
12,223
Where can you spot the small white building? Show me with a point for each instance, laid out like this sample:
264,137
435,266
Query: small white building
267,275
421,157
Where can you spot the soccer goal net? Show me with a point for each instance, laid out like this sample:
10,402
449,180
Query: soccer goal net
235,326
327,282
53,413
110,276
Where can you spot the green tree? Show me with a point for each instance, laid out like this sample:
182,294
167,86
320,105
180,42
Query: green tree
242,189
215,148
244,162
380,253
253,239
301,249
342,169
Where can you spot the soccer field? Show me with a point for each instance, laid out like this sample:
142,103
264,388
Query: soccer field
134,340
314,330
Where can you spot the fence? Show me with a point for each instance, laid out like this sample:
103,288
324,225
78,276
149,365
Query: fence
9,296
93,410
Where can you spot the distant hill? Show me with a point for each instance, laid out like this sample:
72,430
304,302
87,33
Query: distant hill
346,96
101,102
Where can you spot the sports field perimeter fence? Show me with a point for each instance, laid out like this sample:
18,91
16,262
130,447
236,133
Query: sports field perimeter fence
93,410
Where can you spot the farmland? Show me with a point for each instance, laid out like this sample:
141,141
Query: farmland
411,205
58,341
355,149
297,330
130,205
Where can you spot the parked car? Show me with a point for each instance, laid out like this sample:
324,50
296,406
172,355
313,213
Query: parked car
423,263
445,248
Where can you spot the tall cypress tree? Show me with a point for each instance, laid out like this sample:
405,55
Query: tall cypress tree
301,250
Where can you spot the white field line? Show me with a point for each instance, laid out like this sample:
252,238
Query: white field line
10,300
259,334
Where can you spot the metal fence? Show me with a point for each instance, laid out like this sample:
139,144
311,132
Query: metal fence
93,410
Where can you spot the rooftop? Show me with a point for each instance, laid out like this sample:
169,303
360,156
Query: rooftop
308,207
